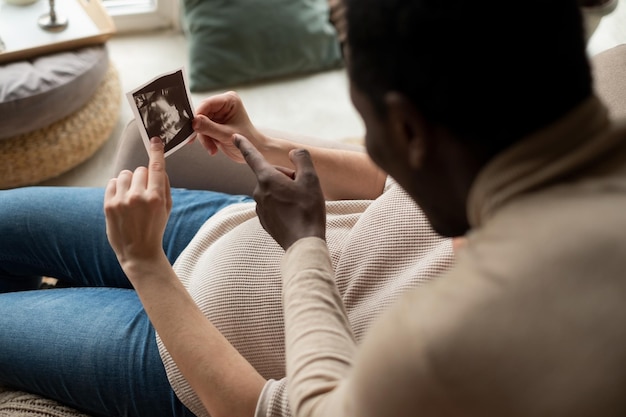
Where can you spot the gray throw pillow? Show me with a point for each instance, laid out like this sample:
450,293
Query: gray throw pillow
235,42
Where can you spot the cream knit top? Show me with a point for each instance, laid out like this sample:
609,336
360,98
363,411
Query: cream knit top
378,250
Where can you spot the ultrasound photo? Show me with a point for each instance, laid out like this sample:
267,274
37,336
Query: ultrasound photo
164,109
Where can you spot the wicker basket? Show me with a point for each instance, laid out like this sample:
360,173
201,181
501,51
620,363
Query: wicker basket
32,157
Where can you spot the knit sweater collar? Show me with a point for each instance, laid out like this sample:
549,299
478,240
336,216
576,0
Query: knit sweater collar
575,143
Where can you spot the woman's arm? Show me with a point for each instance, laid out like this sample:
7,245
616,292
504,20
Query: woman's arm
343,174
224,381
137,206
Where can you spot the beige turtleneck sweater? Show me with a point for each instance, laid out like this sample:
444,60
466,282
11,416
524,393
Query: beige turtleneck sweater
529,322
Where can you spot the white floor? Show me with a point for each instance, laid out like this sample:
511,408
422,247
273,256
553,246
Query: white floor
315,105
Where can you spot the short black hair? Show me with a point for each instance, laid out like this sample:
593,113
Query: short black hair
490,71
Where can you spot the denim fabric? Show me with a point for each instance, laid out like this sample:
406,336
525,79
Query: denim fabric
90,346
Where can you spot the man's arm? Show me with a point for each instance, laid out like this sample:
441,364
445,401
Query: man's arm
319,342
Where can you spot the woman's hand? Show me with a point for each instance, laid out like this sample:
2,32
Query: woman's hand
218,118
137,206
290,204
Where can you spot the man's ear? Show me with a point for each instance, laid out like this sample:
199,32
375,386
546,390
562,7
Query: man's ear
408,127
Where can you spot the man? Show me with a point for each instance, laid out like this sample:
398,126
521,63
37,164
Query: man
508,146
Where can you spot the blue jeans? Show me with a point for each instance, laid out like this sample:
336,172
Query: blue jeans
90,346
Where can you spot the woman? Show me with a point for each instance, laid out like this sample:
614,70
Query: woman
224,286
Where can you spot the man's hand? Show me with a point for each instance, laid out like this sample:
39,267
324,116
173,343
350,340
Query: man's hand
137,206
218,118
290,204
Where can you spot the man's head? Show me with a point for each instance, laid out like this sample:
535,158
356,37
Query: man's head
470,78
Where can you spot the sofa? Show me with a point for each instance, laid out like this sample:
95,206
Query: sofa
192,167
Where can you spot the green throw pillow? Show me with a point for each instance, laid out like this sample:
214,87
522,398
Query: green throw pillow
240,41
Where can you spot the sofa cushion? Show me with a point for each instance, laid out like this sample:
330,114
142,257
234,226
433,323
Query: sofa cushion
240,41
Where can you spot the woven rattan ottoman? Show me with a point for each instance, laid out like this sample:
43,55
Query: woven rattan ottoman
56,111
